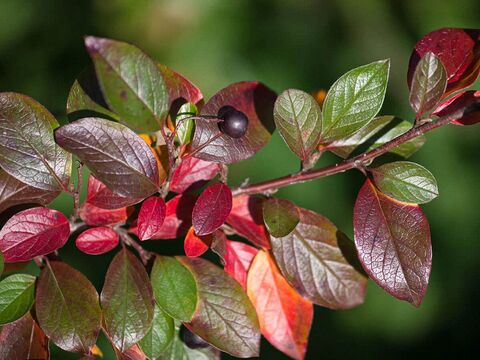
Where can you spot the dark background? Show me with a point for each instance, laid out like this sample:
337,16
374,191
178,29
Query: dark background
300,44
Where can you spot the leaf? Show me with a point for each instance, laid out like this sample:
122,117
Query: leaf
2,264
178,87
376,133
23,339
238,258
194,245
33,232
428,84
16,296
252,98
67,307
280,216
354,100
133,353
218,245
184,126
458,51
131,83
246,218
151,217
393,243
285,317
174,288
406,181
192,172
224,316
99,195
127,301
95,216
97,240
159,336
114,154
27,149
299,121
313,262
468,100
212,209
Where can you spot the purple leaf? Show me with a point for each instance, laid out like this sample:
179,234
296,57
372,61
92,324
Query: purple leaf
99,195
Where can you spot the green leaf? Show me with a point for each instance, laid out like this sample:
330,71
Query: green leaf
185,128
354,100
429,83
406,181
159,336
174,288
299,120
127,301
280,216
131,83
16,296
67,307
380,130
225,317
27,149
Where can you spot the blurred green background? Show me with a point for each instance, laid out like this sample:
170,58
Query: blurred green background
287,43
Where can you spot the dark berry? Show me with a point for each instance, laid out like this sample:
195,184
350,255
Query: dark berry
234,124
192,340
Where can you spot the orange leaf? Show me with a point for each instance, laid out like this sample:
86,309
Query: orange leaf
196,245
238,258
285,317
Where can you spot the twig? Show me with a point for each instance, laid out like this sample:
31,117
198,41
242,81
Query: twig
144,254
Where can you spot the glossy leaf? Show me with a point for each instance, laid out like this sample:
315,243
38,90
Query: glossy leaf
256,101
406,181
192,171
99,195
196,245
67,307
16,296
23,339
159,336
224,317
428,84
458,51
376,133
96,241
246,218
393,243
280,216
131,83
285,317
33,232
354,100
238,258
470,100
299,121
184,127
95,216
212,209
313,262
151,217
178,87
27,149
127,301
114,154
174,288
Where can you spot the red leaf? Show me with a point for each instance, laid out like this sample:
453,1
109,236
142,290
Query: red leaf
151,217
96,241
179,87
459,101
192,171
196,245
33,232
247,220
285,317
95,216
457,49
393,243
23,339
134,353
101,196
238,258
212,209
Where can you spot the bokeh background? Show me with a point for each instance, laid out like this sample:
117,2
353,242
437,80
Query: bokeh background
303,44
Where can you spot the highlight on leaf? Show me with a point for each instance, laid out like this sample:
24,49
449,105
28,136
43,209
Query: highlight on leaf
97,240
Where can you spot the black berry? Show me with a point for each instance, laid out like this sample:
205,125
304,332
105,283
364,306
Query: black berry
192,340
234,124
